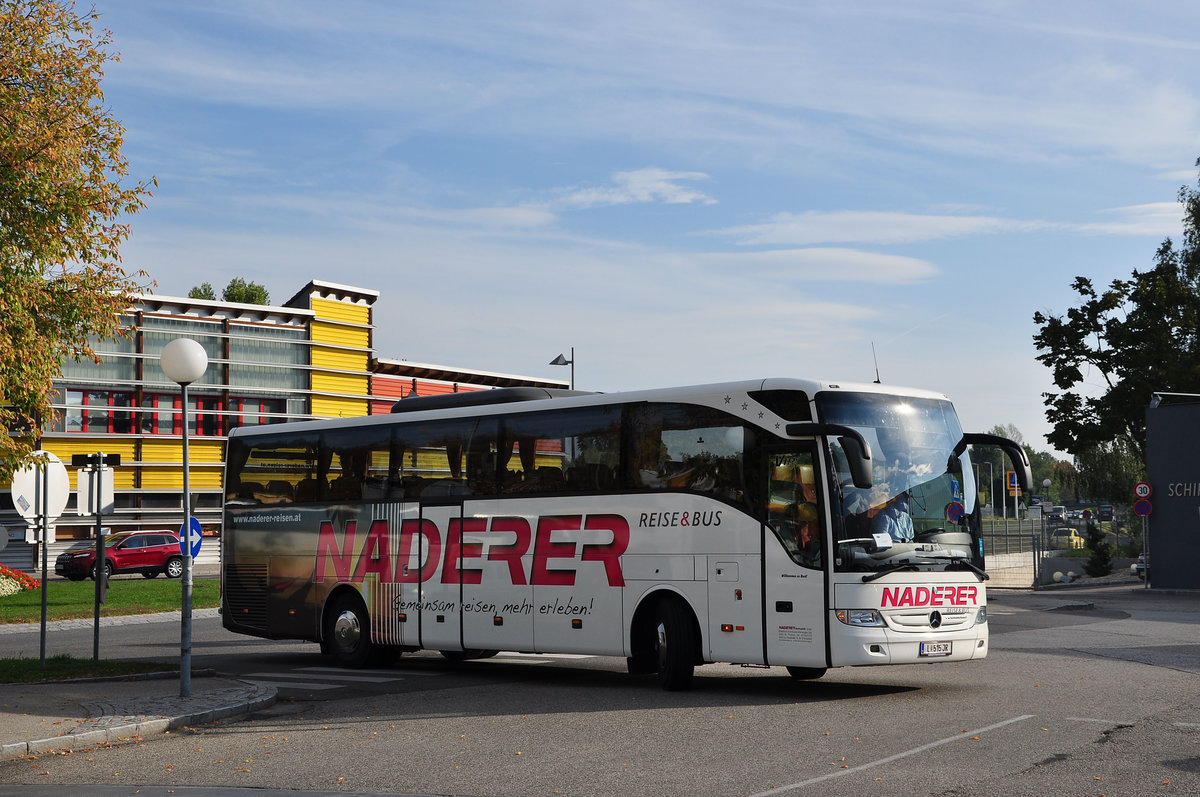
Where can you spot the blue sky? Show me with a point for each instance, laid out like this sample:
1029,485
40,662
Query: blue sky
685,192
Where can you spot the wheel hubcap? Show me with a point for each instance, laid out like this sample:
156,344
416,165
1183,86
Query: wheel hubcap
346,630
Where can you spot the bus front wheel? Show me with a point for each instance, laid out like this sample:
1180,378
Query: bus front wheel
674,641
348,632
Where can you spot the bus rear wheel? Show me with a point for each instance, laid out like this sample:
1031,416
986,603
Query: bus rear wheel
674,645
348,632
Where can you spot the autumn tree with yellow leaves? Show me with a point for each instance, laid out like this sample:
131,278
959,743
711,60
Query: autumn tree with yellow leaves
63,210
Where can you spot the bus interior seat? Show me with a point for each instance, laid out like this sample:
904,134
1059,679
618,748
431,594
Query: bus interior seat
281,490
250,490
307,489
345,488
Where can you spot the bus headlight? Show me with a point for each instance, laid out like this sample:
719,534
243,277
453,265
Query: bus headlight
868,618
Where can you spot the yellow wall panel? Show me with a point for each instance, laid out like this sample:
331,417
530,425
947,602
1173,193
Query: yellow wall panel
162,450
64,448
339,359
199,478
334,407
204,450
342,311
206,480
340,383
340,335
171,450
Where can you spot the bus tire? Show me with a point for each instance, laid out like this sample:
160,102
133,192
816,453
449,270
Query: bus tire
348,632
806,673
674,643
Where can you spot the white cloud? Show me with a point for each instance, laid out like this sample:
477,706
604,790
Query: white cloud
1155,218
868,227
639,186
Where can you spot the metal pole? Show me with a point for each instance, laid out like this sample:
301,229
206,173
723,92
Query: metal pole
100,568
185,648
1146,555
572,367
44,503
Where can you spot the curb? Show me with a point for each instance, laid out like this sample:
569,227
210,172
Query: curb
110,726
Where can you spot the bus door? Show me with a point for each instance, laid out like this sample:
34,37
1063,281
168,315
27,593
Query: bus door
393,601
495,556
440,592
795,557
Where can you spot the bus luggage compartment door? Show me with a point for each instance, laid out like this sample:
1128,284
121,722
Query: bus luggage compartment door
496,553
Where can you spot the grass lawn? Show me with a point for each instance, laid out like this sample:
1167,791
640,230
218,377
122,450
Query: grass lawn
72,600
59,668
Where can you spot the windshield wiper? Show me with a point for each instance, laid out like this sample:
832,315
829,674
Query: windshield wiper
969,565
961,561
905,565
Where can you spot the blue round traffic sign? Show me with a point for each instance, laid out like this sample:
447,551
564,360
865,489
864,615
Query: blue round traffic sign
197,538
1142,508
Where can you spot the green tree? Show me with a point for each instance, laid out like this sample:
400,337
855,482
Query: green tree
1099,563
1140,336
238,290
203,291
63,210
1108,471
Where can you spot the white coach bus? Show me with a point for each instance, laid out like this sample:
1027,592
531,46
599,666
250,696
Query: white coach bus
779,522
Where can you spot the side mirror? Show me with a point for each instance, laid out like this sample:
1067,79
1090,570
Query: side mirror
858,450
858,455
1015,453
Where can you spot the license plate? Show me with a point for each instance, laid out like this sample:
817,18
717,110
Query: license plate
936,648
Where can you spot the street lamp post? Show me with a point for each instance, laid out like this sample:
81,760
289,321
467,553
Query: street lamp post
184,361
561,360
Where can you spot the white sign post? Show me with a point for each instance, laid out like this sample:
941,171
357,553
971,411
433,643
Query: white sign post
40,492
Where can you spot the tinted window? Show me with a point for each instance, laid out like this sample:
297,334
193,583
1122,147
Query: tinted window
567,451
678,446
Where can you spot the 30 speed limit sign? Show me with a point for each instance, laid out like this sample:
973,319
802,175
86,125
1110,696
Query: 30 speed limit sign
1142,490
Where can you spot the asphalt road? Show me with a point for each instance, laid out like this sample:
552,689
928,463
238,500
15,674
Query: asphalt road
1085,692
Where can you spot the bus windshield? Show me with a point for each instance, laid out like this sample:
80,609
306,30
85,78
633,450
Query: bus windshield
920,510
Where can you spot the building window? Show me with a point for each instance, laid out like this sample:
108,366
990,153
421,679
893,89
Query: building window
206,416
160,413
97,412
255,411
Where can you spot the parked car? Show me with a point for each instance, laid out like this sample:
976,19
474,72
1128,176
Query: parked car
145,552
1065,538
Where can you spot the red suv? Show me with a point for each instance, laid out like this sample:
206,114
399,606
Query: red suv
145,552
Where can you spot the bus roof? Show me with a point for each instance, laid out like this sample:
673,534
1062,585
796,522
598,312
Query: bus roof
504,401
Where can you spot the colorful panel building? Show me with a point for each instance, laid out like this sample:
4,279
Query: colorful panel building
312,357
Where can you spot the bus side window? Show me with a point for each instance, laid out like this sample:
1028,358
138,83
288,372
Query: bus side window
685,447
566,451
354,467
271,472
428,460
